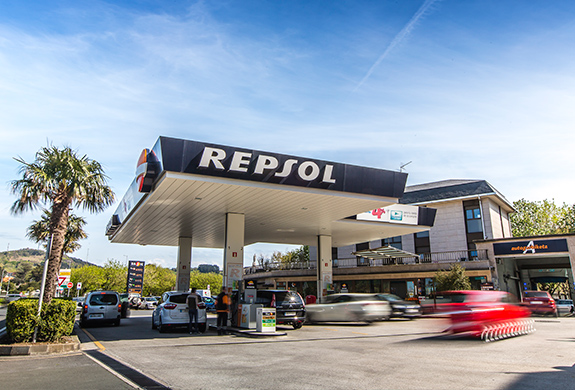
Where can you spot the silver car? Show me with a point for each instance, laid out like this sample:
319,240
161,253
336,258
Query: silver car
564,306
348,308
100,307
173,312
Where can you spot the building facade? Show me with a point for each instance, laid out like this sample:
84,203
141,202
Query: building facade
468,211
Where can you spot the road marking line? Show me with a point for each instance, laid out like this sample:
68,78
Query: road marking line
333,330
96,342
365,334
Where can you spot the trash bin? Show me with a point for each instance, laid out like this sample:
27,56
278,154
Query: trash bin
310,299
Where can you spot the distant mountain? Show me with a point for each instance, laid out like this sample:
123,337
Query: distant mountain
11,260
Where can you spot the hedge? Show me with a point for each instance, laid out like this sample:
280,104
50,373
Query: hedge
56,321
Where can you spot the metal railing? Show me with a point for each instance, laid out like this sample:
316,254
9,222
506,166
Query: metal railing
354,262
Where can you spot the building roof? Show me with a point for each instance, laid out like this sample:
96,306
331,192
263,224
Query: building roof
451,189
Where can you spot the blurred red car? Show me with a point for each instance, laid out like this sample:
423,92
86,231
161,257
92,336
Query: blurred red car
486,314
539,302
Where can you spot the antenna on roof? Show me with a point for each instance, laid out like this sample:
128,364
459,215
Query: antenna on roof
404,165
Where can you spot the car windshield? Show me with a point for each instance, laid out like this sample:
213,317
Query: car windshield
565,302
208,299
150,299
281,298
391,297
103,299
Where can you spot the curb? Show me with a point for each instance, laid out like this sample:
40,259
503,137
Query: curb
40,349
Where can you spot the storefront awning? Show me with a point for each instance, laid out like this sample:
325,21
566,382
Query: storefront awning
384,252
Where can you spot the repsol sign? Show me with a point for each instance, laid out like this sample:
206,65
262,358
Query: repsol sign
199,158
246,162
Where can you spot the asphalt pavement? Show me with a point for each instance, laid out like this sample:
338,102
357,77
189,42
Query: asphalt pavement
391,354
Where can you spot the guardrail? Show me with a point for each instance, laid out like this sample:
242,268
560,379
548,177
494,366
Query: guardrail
353,262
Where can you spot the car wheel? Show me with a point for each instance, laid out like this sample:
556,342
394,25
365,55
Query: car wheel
202,327
309,318
297,325
161,327
117,322
83,323
154,324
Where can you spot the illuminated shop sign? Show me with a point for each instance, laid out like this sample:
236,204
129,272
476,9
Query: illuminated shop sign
530,247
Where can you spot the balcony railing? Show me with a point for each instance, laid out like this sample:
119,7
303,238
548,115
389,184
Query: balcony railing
424,258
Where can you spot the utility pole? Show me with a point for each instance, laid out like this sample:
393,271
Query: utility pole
43,285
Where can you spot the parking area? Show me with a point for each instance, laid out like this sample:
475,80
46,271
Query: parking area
396,354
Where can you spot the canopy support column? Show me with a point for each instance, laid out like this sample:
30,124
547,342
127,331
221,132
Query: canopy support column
234,250
324,267
184,263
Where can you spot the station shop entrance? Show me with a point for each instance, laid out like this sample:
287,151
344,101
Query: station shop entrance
522,273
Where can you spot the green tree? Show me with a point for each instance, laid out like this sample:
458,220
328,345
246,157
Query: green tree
158,280
115,276
40,230
91,277
541,218
453,279
201,281
61,179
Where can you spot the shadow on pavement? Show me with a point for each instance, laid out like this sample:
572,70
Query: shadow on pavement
556,380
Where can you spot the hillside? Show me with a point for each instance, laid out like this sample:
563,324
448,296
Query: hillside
13,260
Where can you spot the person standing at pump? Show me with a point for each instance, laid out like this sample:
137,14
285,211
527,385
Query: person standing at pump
192,301
222,308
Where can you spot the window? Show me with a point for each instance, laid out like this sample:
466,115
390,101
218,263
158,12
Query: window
362,246
103,299
473,224
473,220
422,244
392,241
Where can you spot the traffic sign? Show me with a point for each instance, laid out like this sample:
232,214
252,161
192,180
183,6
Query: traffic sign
64,277
79,286
70,284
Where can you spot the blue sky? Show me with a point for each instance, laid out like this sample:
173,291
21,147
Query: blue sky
463,89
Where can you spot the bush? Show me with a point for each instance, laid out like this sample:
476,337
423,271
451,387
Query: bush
56,321
21,319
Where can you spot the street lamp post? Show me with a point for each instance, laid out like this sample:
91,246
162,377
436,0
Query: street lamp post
43,285
2,280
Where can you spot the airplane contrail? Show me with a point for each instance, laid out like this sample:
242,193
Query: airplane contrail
397,39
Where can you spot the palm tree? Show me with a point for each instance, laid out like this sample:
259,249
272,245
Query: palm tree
40,230
60,178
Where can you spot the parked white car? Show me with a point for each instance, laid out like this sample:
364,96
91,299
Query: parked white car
173,312
149,303
348,308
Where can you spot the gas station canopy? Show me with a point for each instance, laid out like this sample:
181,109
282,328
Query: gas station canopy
186,188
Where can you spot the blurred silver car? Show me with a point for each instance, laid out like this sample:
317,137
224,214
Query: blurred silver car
173,312
564,306
349,308
400,307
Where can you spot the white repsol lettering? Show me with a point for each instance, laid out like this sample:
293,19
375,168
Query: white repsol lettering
212,155
288,165
302,171
240,161
265,162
